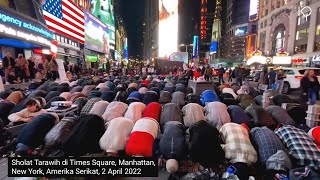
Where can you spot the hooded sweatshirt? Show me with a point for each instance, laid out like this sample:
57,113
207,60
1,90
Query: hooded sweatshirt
99,108
217,114
114,110
192,113
178,98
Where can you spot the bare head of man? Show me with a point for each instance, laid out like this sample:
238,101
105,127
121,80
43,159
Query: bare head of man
9,54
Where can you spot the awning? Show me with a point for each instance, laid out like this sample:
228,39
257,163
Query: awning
257,59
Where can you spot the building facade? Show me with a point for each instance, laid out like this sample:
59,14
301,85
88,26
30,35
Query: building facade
151,31
237,26
283,26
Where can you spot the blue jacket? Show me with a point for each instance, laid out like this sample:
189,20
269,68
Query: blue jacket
208,96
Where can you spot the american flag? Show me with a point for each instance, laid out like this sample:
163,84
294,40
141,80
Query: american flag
64,17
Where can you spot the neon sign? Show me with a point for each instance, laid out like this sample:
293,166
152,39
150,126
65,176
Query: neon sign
19,23
24,35
203,19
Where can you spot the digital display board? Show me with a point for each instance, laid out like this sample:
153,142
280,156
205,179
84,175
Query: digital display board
213,47
195,46
103,9
96,34
251,45
168,27
125,50
242,31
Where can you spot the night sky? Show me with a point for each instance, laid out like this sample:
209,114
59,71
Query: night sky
133,15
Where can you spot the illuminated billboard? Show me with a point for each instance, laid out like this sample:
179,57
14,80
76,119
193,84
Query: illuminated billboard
168,27
241,31
195,46
254,7
103,9
213,48
96,34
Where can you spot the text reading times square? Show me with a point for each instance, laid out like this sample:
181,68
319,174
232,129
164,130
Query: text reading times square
74,162
77,171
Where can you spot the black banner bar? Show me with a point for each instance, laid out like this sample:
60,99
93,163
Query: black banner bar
82,167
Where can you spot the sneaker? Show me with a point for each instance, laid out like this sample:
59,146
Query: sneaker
7,83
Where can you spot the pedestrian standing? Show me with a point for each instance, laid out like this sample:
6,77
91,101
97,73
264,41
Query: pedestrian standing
22,68
272,78
310,87
280,77
208,74
31,68
8,65
53,66
221,72
47,69
264,76
239,75
230,75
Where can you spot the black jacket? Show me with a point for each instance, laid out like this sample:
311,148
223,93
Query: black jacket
305,84
5,61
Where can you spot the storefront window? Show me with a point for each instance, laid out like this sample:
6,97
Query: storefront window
302,34
300,49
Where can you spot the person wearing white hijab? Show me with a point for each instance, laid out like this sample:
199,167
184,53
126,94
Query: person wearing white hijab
99,108
143,90
229,91
135,111
66,95
114,110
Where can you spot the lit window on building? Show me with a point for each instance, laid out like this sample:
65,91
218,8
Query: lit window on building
318,30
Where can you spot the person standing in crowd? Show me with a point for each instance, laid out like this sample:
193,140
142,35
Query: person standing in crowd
280,77
22,68
220,74
53,66
239,75
310,87
208,74
46,68
8,65
230,75
272,77
31,68
264,76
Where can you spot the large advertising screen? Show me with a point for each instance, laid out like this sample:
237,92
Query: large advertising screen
195,46
96,34
213,47
125,50
168,27
104,10
241,31
253,12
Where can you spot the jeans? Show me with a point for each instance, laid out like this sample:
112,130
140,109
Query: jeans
312,96
221,79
